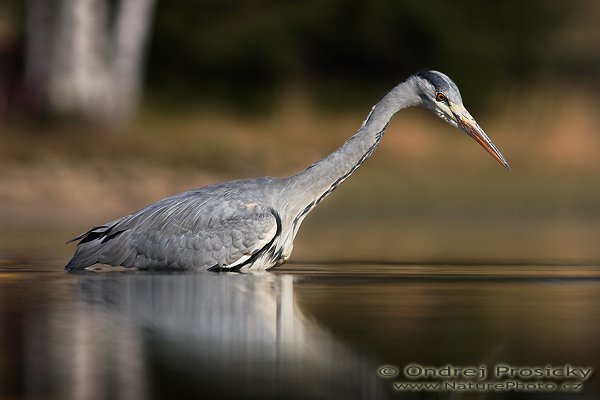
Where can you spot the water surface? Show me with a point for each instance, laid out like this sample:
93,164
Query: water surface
306,331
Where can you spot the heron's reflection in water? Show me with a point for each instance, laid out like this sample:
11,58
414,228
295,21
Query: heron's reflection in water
191,335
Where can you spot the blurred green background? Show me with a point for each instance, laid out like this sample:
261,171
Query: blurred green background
229,89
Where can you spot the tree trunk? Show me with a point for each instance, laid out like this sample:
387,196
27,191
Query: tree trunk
80,63
132,28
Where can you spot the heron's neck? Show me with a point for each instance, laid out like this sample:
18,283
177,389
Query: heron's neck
320,179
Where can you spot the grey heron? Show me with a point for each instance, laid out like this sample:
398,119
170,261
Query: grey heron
250,224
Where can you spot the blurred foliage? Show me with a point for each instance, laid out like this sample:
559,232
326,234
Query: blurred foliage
346,53
245,52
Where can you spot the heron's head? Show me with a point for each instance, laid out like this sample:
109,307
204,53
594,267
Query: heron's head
440,95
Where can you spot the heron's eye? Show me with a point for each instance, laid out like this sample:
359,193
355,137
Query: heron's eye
440,97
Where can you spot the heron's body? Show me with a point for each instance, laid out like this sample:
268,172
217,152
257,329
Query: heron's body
251,224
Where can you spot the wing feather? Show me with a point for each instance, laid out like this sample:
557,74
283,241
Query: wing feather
184,231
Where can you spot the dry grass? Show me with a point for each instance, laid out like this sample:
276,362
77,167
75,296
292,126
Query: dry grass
67,173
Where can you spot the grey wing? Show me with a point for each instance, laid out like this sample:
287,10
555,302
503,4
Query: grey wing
182,232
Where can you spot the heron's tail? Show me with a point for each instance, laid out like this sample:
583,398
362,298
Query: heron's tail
80,261
91,245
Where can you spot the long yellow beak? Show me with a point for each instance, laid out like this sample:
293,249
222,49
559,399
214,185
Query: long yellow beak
470,126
